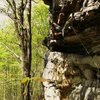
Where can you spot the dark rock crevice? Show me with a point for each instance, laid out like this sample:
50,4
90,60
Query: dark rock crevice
66,31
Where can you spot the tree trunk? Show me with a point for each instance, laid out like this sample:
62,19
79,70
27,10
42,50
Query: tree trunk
27,52
23,30
72,69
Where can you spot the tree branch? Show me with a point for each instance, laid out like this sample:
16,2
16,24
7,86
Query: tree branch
14,4
12,52
10,4
3,11
24,6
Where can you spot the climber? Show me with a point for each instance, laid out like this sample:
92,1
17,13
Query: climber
60,17
57,29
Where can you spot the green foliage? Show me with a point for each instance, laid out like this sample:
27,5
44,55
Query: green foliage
10,65
10,70
40,27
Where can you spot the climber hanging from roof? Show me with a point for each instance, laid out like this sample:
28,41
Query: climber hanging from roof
56,29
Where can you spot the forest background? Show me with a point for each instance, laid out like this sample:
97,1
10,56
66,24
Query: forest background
11,72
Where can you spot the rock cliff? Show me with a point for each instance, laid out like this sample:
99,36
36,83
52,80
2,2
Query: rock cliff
72,66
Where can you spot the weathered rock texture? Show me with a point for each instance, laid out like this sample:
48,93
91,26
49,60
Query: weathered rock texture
72,67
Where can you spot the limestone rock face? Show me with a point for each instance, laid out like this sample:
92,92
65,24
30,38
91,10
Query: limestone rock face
71,77
72,69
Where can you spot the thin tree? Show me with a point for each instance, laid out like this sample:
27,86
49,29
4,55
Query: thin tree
20,13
